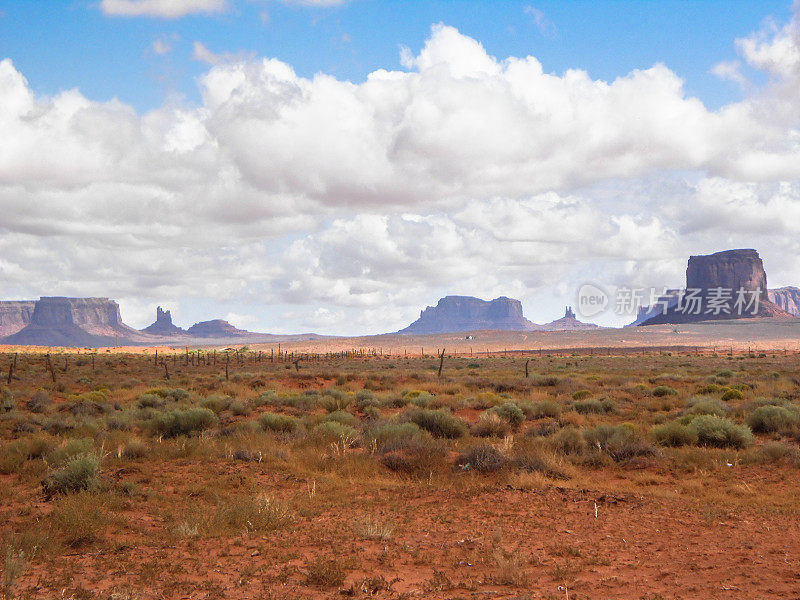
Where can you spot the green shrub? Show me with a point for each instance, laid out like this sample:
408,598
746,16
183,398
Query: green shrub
440,423
343,417
216,404
150,401
544,409
768,419
182,422
79,473
484,459
333,400
418,398
620,442
707,406
732,394
711,388
674,434
594,406
489,424
544,381
720,432
418,456
725,373
335,431
510,412
664,390
389,433
279,423
568,441
581,395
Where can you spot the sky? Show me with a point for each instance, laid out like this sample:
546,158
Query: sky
336,166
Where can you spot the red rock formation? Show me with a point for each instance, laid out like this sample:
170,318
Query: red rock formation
466,313
216,328
788,298
15,315
163,325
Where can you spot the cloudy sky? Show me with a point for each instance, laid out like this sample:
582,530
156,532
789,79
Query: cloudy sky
334,166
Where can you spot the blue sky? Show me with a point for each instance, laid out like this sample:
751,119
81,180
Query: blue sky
61,44
336,166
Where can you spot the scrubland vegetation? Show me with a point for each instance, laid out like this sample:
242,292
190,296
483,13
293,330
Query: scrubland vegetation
374,477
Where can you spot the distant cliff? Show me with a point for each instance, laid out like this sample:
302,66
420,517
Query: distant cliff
730,271
15,315
216,328
59,321
466,313
788,298
163,325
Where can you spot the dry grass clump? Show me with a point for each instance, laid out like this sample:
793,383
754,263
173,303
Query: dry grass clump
78,474
79,518
484,459
326,573
440,423
178,422
270,421
252,514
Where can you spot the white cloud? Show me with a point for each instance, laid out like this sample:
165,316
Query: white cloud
165,9
349,206
545,26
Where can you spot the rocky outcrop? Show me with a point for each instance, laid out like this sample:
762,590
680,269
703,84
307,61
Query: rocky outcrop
216,328
568,322
59,321
466,313
714,283
788,298
15,315
163,325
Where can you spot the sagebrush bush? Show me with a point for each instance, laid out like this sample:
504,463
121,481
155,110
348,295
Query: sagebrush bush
620,442
489,424
334,431
544,409
594,406
270,421
216,404
417,456
568,441
343,417
510,412
674,434
80,473
182,422
387,433
707,406
664,390
769,418
440,423
581,395
484,459
720,432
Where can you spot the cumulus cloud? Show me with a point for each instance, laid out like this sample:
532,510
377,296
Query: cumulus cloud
317,203
165,9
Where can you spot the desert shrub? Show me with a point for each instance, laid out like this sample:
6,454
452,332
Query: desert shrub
538,462
325,573
568,441
544,408
674,434
58,456
182,422
216,404
333,400
134,449
333,431
239,408
711,388
419,456
150,401
581,395
769,418
543,428
726,373
365,399
39,402
664,390
79,473
440,423
544,381
172,394
390,433
489,424
510,412
777,451
594,406
79,518
620,442
707,406
732,394
418,398
252,514
343,417
270,421
720,432
484,459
